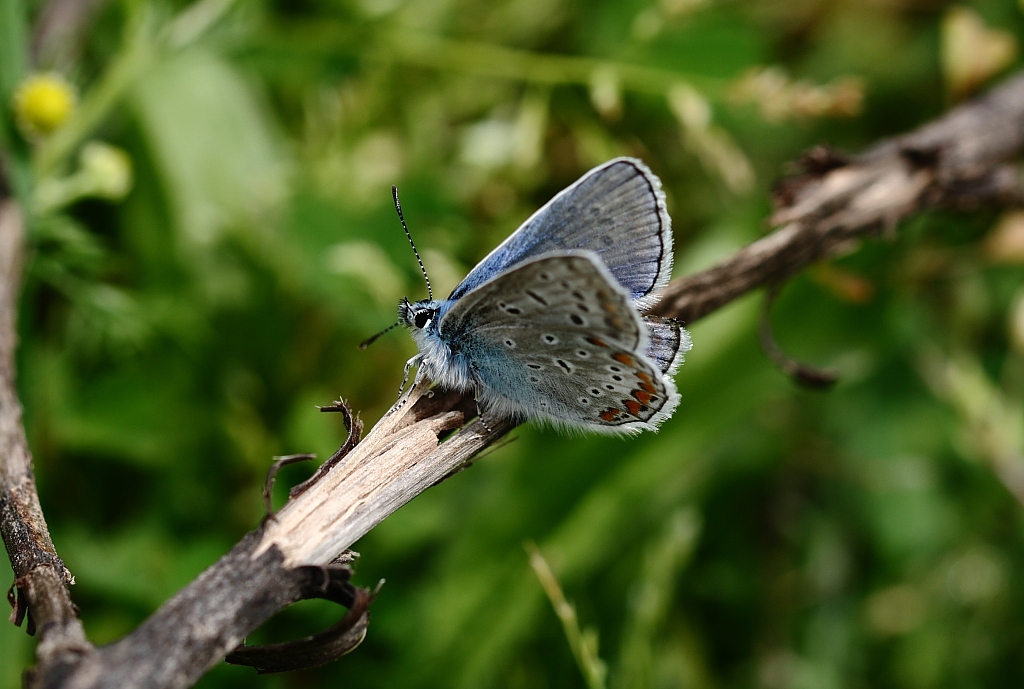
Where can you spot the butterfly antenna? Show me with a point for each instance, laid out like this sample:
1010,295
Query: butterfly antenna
398,209
370,340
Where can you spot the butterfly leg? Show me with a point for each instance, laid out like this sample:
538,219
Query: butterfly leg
480,415
415,361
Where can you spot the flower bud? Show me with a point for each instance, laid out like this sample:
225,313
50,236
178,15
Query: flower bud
108,168
42,103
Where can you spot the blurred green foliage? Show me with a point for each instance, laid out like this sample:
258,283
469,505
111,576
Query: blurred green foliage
173,340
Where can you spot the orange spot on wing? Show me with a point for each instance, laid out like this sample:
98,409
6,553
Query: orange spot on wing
632,406
597,342
624,359
643,376
641,396
609,415
648,387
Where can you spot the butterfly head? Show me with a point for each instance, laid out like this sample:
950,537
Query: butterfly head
418,315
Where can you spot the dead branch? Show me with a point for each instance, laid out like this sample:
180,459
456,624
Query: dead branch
39,595
959,159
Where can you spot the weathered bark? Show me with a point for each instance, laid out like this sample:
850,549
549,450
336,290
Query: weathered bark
958,159
39,591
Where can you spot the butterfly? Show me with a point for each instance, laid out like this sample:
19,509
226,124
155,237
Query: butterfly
548,326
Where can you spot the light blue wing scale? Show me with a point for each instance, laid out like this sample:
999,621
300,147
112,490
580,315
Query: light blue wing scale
556,338
616,210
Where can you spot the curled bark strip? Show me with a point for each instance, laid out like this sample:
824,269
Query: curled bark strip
438,400
268,483
19,606
346,558
802,374
325,646
21,610
355,430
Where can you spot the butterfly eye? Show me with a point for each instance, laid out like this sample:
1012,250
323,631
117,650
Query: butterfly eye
422,318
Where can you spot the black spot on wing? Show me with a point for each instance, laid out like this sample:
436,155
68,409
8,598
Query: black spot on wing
536,297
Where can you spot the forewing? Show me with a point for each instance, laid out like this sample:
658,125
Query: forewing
616,210
555,338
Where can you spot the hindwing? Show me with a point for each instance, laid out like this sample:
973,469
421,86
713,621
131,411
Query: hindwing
558,338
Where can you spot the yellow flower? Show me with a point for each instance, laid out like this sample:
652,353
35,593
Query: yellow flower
43,103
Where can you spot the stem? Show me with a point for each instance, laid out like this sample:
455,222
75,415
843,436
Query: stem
116,80
13,63
499,62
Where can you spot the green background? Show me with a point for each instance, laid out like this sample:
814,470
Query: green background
768,536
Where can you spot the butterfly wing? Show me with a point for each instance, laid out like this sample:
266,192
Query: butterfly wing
616,210
667,344
556,338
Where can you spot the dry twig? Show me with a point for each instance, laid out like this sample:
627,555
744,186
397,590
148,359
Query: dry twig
39,591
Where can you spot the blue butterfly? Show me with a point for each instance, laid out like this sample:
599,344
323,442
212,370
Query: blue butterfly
548,325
